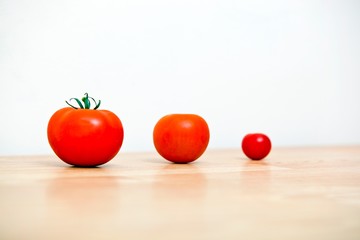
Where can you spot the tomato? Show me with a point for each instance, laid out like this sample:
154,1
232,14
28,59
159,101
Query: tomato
181,138
85,137
256,146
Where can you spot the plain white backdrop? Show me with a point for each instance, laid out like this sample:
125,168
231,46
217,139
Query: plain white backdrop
290,69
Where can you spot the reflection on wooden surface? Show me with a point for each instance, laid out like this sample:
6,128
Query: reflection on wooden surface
83,195
296,193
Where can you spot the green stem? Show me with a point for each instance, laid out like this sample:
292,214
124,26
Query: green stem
86,101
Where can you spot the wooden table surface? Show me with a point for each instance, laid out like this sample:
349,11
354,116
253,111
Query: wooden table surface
296,193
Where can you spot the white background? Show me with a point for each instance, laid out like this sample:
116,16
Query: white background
290,69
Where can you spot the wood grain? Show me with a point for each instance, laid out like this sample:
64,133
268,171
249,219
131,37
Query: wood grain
296,193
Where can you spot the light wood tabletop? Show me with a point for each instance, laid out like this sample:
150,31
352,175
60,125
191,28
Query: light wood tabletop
295,193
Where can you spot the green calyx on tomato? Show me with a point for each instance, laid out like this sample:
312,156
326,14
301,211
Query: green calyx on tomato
86,101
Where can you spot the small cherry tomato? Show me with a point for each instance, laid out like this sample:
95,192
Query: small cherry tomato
181,138
85,137
256,146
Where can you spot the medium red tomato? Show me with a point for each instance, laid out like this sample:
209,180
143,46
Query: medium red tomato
181,138
256,146
85,137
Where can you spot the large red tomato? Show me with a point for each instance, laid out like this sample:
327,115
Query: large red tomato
181,138
85,137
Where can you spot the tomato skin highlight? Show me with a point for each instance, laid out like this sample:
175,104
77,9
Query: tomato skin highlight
181,138
85,137
256,146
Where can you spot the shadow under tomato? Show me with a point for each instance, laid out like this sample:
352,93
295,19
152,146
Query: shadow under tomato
256,177
84,191
179,183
